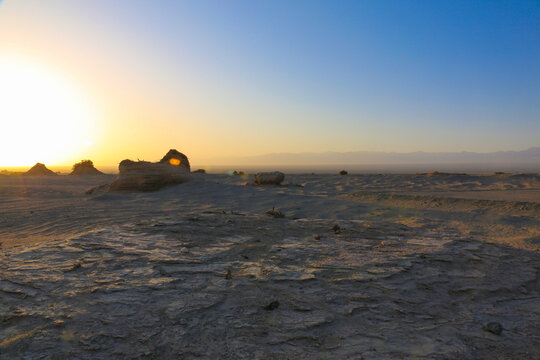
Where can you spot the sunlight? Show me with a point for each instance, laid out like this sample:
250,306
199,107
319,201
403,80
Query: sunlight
43,116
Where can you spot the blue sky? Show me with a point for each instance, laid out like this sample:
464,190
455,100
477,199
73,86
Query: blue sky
297,76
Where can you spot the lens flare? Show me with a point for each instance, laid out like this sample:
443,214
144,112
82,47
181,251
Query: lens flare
174,161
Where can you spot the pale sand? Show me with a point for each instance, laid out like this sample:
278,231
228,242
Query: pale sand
418,267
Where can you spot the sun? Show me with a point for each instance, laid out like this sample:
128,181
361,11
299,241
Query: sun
44,117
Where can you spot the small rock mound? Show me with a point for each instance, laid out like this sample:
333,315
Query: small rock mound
269,178
272,305
176,158
444,175
343,172
275,213
493,327
440,174
199,171
38,170
85,167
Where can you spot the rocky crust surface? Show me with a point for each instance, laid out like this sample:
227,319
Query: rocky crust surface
357,266
232,286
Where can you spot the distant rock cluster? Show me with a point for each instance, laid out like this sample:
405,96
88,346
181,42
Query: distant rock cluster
84,167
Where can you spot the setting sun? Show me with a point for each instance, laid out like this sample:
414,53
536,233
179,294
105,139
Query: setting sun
44,116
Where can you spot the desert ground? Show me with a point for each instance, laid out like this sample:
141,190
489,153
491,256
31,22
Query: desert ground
381,266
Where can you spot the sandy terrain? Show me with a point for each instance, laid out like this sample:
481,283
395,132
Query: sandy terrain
419,266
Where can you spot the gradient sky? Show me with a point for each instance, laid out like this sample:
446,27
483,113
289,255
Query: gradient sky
236,78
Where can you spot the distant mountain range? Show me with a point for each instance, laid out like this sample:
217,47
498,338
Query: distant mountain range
526,157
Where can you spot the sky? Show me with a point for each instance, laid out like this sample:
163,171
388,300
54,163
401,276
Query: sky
109,80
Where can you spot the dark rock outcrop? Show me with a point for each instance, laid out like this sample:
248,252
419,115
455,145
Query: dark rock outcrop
493,327
38,170
440,174
269,178
85,167
343,172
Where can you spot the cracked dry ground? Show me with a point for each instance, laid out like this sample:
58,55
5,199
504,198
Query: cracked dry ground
236,286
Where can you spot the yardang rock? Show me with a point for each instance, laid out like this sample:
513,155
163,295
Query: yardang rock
172,169
85,167
38,170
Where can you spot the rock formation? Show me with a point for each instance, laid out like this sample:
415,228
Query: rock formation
174,157
343,172
38,170
269,178
85,167
148,176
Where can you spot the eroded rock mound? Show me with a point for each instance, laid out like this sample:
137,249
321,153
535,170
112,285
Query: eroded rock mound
269,178
148,176
172,169
85,167
176,158
38,170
